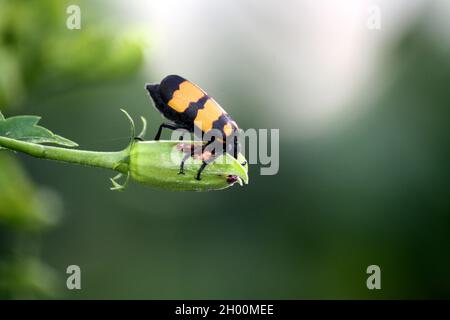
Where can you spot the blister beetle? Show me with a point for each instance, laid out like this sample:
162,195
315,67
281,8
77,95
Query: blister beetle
188,107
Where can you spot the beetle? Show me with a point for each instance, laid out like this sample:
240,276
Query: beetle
188,107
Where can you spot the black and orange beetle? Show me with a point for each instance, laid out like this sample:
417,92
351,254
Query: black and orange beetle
188,107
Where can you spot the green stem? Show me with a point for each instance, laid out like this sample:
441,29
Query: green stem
117,161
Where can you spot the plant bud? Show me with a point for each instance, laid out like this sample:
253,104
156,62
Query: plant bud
157,163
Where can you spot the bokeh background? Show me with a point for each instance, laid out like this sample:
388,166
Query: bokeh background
364,119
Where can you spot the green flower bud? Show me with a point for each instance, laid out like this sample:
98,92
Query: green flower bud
157,163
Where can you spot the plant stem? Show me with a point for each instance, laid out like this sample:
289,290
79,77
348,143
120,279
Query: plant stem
117,161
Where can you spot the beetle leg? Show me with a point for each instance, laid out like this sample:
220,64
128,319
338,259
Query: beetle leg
193,150
186,156
205,162
212,156
203,166
199,172
167,126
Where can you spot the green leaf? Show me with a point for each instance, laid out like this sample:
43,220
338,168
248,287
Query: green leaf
25,128
1,116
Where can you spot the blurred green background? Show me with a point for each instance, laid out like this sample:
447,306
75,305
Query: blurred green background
364,123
